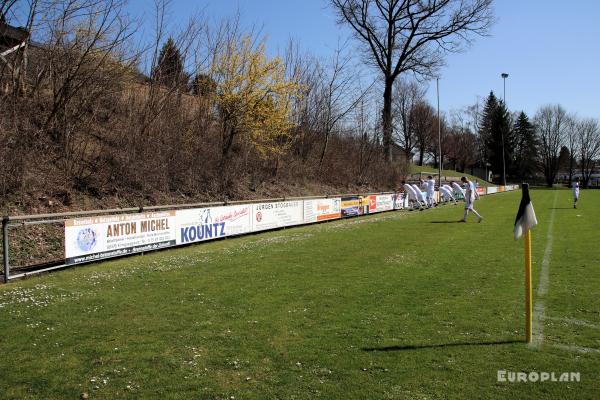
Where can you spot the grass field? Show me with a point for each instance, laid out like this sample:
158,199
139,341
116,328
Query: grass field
403,305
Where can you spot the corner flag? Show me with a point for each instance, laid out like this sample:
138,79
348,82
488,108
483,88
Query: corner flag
526,215
523,223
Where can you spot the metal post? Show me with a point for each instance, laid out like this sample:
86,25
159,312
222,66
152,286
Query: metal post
5,247
504,76
439,134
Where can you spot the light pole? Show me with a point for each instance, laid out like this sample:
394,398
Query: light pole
437,83
504,76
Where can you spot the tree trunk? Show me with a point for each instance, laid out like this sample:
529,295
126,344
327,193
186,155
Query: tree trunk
407,155
421,156
549,177
571,162
324,149
387,118
229,133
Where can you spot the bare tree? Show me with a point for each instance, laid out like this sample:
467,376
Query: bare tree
433,148
571,142
550,123
589,147
306,110
411,36
423,120
340,92
409,93
366,134
462,143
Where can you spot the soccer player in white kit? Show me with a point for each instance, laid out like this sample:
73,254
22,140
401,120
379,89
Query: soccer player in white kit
412,195
420,194
575,186
424,185
475,185
469,199
447,194
457,189
431,191
448,187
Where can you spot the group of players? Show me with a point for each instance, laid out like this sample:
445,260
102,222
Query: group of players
424,196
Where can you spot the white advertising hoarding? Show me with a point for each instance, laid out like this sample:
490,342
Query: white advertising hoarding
400,201
322,209
277,215
94,238
200,224
381,202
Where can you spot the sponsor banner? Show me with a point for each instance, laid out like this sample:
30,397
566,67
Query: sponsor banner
322,209
500,189
95,238
400,201
277,215
480,190
354,206
492,189
200,224
381,202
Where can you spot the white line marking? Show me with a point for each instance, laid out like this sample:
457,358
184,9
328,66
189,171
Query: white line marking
573,321
539,310
576,349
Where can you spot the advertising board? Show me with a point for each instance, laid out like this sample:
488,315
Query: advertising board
95,238
199,224
317,210
354,206
277,215
381,202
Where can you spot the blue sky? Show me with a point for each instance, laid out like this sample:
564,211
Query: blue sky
550,48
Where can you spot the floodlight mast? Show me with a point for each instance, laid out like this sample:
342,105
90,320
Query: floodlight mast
437,82
504,75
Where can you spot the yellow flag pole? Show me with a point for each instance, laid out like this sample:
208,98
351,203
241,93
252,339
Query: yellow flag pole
528,294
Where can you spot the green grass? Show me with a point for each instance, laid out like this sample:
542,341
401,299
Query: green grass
403,305
415,169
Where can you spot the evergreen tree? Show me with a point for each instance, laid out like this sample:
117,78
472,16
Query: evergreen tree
496,133
526,154
168,70
203,85
563,158
485,126
502,142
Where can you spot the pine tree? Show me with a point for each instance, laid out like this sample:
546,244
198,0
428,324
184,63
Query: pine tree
496,133
501,142
563,158
526,160
485,126
168,70
203,85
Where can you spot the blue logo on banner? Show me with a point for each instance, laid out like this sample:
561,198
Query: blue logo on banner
86,239
202,232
